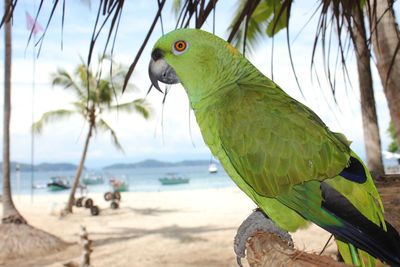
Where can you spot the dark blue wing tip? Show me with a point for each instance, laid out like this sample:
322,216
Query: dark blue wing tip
354,172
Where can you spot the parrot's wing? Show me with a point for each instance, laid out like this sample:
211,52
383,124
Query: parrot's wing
274,142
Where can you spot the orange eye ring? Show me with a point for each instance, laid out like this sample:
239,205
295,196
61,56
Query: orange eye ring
180,47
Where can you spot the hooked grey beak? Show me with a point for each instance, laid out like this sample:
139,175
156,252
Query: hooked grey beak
159,70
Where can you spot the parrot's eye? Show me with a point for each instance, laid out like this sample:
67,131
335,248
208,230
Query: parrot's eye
180,47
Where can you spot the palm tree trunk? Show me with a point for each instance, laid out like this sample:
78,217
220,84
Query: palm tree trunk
369,118
10,213
385,38
71,199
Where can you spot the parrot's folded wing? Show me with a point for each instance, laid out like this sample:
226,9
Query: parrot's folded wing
274,141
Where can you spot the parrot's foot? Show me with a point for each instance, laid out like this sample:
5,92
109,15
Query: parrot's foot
256,222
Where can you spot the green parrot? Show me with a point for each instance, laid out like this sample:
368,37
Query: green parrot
276,150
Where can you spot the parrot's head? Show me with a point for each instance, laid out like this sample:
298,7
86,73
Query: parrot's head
195,58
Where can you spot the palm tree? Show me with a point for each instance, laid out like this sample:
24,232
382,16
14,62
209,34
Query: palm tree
372,140
12,221
95,95
10,213
385,37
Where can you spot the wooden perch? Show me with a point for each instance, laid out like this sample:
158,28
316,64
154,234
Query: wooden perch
265,250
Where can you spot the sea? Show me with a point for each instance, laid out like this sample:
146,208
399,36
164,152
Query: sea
139,179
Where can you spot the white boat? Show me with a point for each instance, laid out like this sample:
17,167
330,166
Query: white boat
173,179
391,155
93,179
39,186
57,183
212,168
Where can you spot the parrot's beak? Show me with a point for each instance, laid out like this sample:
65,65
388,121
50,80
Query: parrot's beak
159,70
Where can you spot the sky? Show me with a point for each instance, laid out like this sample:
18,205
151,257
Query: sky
171,134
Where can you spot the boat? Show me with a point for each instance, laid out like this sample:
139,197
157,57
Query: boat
212,168
391,155
39,186
93,180
173,179
58,183
119,185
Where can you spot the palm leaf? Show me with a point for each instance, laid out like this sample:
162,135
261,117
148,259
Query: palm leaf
105,127
335,17
256,25
64,79
146,39
176,7
139,106
51,116
243,13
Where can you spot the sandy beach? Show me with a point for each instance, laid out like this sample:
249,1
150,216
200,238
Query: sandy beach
175,228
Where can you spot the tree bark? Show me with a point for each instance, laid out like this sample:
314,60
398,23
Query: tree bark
266,249
10,213
385,38
71,199
368,111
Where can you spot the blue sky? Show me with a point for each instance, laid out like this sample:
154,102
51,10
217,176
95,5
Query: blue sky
169,135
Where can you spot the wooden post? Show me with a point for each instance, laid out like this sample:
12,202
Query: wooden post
86,247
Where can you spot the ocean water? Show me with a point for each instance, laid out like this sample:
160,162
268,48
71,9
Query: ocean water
139,179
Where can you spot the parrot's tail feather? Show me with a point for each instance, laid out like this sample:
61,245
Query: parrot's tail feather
360,231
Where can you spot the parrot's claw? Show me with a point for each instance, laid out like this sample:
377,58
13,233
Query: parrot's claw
256,222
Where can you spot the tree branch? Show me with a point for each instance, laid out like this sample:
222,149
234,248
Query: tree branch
266,249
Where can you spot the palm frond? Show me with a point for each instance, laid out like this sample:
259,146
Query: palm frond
51,116
245,10
64,79
280,17
176,7
256,26
81,107
336,16
8,12
146,39
108,9
41,39
139,106
105,127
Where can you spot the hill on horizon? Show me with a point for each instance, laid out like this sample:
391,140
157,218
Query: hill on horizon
45,166
152,163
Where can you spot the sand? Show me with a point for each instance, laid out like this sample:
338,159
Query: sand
175,228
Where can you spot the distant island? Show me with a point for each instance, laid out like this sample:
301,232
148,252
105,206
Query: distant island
152,163
42,167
